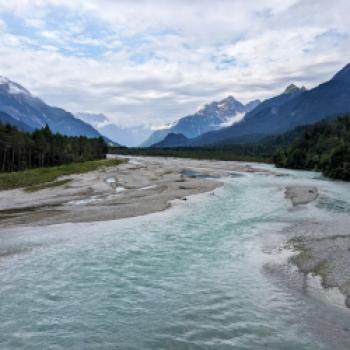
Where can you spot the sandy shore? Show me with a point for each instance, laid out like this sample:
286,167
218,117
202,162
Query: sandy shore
319,248
301,194
141,186
323,249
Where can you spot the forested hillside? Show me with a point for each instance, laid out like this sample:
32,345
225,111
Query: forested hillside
324,146
42,148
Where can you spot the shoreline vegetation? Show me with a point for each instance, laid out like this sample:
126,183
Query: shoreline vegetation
41,178
35,161
42,148
324,146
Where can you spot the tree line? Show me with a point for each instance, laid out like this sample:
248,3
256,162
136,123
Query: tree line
252,153
42,148
324,146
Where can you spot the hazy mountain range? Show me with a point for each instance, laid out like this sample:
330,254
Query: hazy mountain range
256,113
294,107
131,136
224,122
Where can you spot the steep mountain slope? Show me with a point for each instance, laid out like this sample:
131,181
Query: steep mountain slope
19,103
213,116
271,105
172,140
132,136
295,107
155,137
7,119
254,122
251,105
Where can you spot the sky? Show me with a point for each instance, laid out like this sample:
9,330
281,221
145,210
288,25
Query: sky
152,62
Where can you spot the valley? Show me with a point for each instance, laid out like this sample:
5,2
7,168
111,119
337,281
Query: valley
174,175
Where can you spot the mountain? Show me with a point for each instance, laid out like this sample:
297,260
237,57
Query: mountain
251,105
7,119
213,116
156,136
25,109
132,136
294,107
254,122
343,74
172,140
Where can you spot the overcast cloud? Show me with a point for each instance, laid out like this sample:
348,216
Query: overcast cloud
150,62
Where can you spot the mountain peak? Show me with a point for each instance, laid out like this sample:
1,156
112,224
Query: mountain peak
229,98
4,80
29,112
252,104
13,88
292,88
343,74
228,102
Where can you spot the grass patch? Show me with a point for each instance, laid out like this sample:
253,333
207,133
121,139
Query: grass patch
47,176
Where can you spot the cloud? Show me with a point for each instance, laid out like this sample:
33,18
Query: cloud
150,62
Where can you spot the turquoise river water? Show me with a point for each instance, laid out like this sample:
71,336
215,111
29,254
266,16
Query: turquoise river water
191,277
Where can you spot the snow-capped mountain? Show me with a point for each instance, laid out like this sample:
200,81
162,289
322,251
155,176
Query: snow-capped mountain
13,88
28,112
213,116
294,107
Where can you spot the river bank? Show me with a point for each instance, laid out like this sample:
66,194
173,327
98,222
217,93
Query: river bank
146,185
194,276
135,188
319,243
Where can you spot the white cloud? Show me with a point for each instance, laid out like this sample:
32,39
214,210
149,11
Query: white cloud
233,120
150,62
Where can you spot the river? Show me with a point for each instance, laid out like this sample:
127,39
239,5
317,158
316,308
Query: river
195,276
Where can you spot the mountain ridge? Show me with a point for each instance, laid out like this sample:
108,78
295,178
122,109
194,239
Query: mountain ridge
172,140
213,116
17,102
292,108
